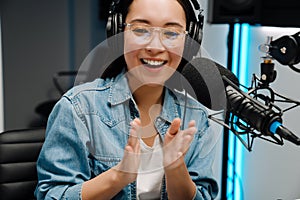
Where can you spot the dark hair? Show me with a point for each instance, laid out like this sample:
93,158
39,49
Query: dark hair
123,7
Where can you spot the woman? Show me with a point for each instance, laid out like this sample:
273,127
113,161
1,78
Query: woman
90,154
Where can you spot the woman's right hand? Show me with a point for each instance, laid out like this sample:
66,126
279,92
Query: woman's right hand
129,165
114,180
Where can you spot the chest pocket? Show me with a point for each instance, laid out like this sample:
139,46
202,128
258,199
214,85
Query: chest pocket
101,165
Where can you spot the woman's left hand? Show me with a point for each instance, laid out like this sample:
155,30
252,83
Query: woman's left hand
177,142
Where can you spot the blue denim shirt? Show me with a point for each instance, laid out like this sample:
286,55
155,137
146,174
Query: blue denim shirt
88,130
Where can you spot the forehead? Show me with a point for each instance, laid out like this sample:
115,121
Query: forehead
157,11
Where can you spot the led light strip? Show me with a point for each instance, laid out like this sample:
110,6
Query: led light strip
235,147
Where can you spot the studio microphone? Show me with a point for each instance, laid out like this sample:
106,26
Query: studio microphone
256,114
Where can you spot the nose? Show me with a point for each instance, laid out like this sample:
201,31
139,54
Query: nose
155,45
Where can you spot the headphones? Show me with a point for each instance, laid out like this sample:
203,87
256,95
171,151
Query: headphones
195,28
115,22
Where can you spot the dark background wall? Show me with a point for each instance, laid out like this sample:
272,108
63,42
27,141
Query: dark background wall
41,38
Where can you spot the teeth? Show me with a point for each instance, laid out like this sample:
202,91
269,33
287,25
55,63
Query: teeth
153,62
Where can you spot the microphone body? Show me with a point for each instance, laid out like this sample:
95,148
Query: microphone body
251,111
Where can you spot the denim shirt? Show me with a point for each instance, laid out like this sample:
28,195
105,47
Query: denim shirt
88,130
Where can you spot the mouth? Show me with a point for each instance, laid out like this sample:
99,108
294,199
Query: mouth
153,63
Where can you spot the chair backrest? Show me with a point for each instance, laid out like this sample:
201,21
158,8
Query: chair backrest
19,150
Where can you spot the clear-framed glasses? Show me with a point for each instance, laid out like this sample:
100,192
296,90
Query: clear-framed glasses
170,37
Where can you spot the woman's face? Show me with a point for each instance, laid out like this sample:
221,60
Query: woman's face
153,54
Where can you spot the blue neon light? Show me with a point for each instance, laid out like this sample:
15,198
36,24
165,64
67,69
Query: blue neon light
235,148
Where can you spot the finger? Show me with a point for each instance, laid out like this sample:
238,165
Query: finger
175,125
189,131
192,123
135,124
137,135
188,138
134,133
128,149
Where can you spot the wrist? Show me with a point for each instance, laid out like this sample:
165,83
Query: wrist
175,165
123,178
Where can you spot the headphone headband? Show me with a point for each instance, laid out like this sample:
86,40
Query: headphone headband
196,4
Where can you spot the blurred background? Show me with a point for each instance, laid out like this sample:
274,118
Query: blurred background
43,42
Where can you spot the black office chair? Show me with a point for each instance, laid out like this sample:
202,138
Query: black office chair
19,150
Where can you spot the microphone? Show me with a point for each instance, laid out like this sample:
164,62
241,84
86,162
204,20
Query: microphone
256,114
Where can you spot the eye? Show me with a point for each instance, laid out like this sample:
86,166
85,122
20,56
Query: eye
140,31
172,35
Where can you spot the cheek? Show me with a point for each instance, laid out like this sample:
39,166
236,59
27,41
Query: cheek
131,51
178,50
129,44
131,59
176,56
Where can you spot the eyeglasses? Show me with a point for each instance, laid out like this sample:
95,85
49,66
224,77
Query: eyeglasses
143,34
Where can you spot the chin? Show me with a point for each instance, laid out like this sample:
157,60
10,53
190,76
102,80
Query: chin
151,82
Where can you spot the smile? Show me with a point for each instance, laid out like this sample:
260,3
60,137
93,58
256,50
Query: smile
153,63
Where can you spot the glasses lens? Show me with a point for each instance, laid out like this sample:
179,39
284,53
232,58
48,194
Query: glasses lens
170,34
142,33
169,37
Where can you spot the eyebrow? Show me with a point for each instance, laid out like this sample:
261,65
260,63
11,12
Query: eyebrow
147,22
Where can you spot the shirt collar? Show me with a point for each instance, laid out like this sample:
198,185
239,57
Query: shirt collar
173,101
119,91
170,107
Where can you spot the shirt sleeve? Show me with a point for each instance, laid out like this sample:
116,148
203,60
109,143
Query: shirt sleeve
62,165
200,161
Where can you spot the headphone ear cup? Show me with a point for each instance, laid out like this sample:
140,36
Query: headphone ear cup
113,28
198,33
192,41
195,32
114,24
109,26
118,40
119,23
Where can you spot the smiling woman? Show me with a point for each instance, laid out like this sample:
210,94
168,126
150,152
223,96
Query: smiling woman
146,51
126,135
